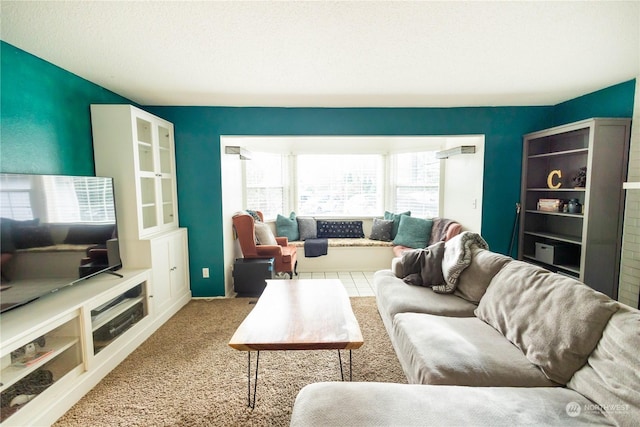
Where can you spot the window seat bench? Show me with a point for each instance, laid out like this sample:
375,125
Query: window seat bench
349,243
360,254
355,254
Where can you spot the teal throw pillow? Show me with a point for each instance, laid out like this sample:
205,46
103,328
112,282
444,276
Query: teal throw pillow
413,232
287,227
396,221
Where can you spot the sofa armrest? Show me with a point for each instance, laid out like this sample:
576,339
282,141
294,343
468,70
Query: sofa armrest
268,250
282,241
453,230
396,267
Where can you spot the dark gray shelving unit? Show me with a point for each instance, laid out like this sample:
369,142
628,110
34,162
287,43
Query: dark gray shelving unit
590,240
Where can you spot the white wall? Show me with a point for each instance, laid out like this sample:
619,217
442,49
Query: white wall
629,285
231,171
463,178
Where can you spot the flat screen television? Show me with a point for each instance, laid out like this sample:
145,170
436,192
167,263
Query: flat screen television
55,231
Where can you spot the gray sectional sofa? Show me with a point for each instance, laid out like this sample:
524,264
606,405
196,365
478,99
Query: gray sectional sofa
514,344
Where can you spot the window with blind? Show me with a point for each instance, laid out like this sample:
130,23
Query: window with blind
416,183
265,188
343,185
14,199
58,199
95,199
79,199
340,184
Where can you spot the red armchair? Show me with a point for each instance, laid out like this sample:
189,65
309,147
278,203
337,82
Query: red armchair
285,255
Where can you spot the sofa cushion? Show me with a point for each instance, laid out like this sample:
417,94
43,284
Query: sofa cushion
474,280
394,296
264,235
307,228
556,321
413,232
395,217
386,404
26,237
287,227
612,375
340,229
381,229
460,351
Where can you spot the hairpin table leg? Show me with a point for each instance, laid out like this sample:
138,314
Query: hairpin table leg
255,383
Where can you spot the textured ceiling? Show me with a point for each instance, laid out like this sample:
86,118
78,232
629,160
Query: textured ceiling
390,53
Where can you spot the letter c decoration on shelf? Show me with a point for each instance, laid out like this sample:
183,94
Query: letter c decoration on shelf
550,178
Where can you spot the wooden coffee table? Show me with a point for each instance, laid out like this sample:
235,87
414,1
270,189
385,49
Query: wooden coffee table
298,315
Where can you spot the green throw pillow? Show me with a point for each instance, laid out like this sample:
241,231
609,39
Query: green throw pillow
396,221
413,232
287,227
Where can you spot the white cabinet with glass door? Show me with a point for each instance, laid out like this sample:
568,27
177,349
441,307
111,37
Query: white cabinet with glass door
136,148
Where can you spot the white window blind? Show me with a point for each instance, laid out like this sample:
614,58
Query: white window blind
58,199
95,199
79,199
341,185
417,183
265,184
14,199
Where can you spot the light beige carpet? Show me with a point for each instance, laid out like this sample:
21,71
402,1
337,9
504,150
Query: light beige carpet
186,374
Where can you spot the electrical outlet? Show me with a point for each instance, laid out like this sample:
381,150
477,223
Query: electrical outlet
205,273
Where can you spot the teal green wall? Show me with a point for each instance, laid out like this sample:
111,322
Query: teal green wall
613,101
45,120
198,131
46,128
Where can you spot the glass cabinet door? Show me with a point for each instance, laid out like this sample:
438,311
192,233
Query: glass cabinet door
164,148
165,159
146,161
156,175
168,215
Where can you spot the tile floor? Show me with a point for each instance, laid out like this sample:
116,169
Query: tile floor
357,284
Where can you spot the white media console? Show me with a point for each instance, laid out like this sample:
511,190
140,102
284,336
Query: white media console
81,333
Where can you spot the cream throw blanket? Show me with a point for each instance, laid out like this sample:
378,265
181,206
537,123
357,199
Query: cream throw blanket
457,257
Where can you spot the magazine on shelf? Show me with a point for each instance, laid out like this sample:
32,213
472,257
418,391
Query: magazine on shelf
32,359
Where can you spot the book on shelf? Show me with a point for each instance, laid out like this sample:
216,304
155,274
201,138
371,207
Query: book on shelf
550,201
32,359
550,205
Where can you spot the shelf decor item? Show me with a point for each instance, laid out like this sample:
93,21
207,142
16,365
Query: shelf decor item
553,173
580,179
550,205
574,206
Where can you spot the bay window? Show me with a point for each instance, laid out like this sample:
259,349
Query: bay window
416,183
339,184
265,179
343,185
